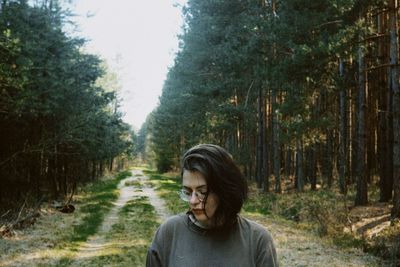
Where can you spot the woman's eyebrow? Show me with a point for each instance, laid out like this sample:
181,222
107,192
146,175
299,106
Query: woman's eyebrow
198,187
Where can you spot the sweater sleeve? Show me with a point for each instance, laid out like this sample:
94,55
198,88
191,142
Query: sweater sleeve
153,258
266,252
159,250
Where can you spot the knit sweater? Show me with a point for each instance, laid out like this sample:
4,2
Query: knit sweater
179,242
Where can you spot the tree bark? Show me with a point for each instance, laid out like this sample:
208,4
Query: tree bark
384,151
265,169
299,166
276,143
343,154
362,193
394,82
260,141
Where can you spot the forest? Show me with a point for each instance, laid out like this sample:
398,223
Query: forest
303,93
60,125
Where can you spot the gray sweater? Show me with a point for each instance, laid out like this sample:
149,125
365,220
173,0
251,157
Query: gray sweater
178,242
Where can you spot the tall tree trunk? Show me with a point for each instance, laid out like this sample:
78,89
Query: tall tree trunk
299,165
288,161
390,138
362,192
384,158
110,165
267,137
275,121
265,146
94,170
313,166
343,154
260,140
394,82
353,138
276,143
328,166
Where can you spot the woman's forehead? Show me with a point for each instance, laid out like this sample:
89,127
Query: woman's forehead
193,179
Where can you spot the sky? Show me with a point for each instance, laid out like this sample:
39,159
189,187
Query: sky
138,39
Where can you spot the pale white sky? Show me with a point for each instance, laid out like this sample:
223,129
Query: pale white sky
138,38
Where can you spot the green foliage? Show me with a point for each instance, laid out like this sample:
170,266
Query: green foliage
323,210
228,50
348,241
58,114
204,96
262,204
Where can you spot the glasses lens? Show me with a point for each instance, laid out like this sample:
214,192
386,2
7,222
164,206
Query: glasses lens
187,195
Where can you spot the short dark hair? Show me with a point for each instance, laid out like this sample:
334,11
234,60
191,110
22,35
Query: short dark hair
223,178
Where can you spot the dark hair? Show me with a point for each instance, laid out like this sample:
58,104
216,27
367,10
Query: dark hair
223,178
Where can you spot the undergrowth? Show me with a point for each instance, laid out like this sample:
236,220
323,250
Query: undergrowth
326,213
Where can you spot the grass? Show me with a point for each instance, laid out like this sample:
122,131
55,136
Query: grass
167,187
53,240
326,213
127,242
95,203
138,222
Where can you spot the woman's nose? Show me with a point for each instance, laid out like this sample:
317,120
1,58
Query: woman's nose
193,198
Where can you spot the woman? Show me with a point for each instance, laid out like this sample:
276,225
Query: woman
211,233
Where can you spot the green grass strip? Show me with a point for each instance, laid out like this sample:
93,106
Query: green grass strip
97,201
130,237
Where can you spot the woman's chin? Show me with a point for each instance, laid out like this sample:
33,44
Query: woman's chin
201,217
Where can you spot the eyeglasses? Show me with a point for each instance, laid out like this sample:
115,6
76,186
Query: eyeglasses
186,195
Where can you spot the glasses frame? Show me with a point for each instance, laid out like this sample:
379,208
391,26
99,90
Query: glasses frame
199,195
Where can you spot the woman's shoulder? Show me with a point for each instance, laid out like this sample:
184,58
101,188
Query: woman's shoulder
254,227
173,222
175,218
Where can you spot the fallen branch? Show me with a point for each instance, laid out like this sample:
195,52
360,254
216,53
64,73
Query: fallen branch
8,230
4,214
20,211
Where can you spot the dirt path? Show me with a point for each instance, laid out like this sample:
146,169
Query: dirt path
295,247
128,190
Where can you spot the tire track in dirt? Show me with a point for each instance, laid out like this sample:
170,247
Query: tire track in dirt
97,243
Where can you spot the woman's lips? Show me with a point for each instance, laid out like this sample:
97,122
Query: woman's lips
197,211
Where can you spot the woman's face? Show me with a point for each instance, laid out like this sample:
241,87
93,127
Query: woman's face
204,212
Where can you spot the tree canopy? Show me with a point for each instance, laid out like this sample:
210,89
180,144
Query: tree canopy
59,117
290,87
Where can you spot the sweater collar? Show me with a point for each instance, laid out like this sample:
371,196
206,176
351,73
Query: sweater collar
195,225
